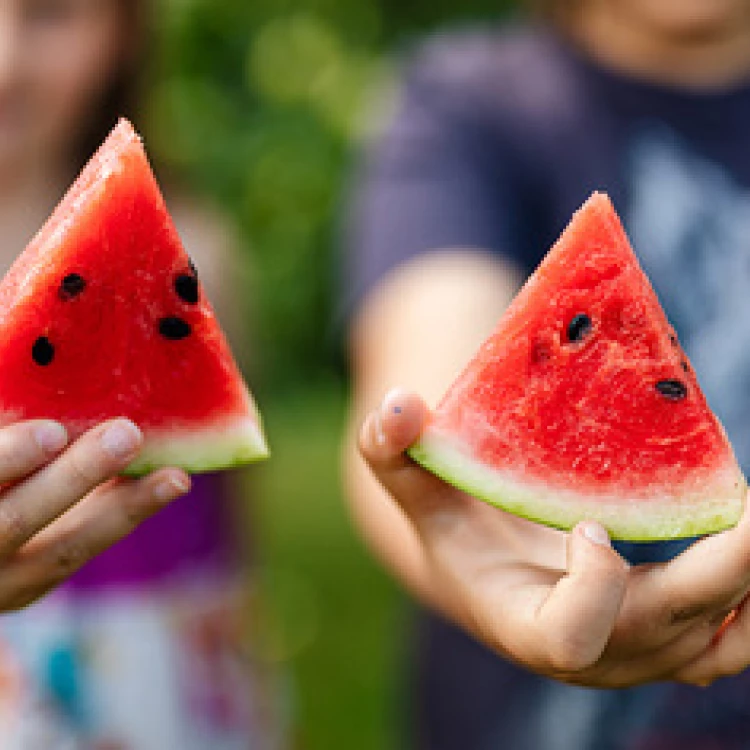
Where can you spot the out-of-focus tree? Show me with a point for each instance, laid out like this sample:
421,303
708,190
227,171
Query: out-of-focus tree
260,102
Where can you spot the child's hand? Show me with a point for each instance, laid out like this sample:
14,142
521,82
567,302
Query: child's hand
59,509
566,605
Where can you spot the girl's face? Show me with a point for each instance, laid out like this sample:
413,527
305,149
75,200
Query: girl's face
57,57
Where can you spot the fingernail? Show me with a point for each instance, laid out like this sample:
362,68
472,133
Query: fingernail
171,488
51,436
121,439
392,401
378,427
596,533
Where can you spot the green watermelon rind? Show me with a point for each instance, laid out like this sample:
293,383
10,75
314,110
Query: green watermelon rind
719,506
202,449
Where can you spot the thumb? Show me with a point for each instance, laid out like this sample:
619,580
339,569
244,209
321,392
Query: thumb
385,435
579,615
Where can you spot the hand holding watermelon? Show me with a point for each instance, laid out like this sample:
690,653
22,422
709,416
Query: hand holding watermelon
580,406
104,315
565,605
62,504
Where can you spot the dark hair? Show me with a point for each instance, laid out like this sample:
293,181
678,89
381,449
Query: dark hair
123,95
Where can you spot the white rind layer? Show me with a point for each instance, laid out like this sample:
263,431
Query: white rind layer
712,506
220,446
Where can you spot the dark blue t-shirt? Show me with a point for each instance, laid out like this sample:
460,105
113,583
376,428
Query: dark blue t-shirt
497,139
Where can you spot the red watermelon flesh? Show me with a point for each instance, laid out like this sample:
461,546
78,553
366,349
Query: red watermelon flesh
103,315
582,404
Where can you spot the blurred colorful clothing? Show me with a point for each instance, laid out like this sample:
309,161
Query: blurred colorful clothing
145,648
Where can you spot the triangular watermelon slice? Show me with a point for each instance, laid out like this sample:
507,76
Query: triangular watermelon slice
582,404
103,315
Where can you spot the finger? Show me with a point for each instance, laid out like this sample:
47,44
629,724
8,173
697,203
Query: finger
636,666
95,457
103,517
727,654
384,438
576,620
708,578
392,428
25,446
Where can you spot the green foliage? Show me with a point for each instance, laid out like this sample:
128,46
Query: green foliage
335,621
259,103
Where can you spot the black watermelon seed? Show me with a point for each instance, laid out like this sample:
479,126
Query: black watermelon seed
72,285
192,267
579,327
187,288
673,339
685,366
672,389
174,328
43,352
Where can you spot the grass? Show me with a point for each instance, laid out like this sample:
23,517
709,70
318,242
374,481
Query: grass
335,621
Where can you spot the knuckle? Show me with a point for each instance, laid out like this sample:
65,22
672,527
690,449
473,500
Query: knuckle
569,655
679,614
17,457
69,556
82,469
612,578
14,526
611,566
132,506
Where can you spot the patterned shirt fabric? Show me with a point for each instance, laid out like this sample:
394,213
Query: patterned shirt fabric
498,136
136,669
146,647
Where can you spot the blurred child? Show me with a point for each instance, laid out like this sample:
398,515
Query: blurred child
497,138
142,649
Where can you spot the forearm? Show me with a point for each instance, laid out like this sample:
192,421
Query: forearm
416,330
383,525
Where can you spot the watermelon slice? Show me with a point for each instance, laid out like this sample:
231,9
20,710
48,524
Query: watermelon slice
103,315
582,404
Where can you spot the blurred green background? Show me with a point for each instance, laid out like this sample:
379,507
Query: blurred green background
260,105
